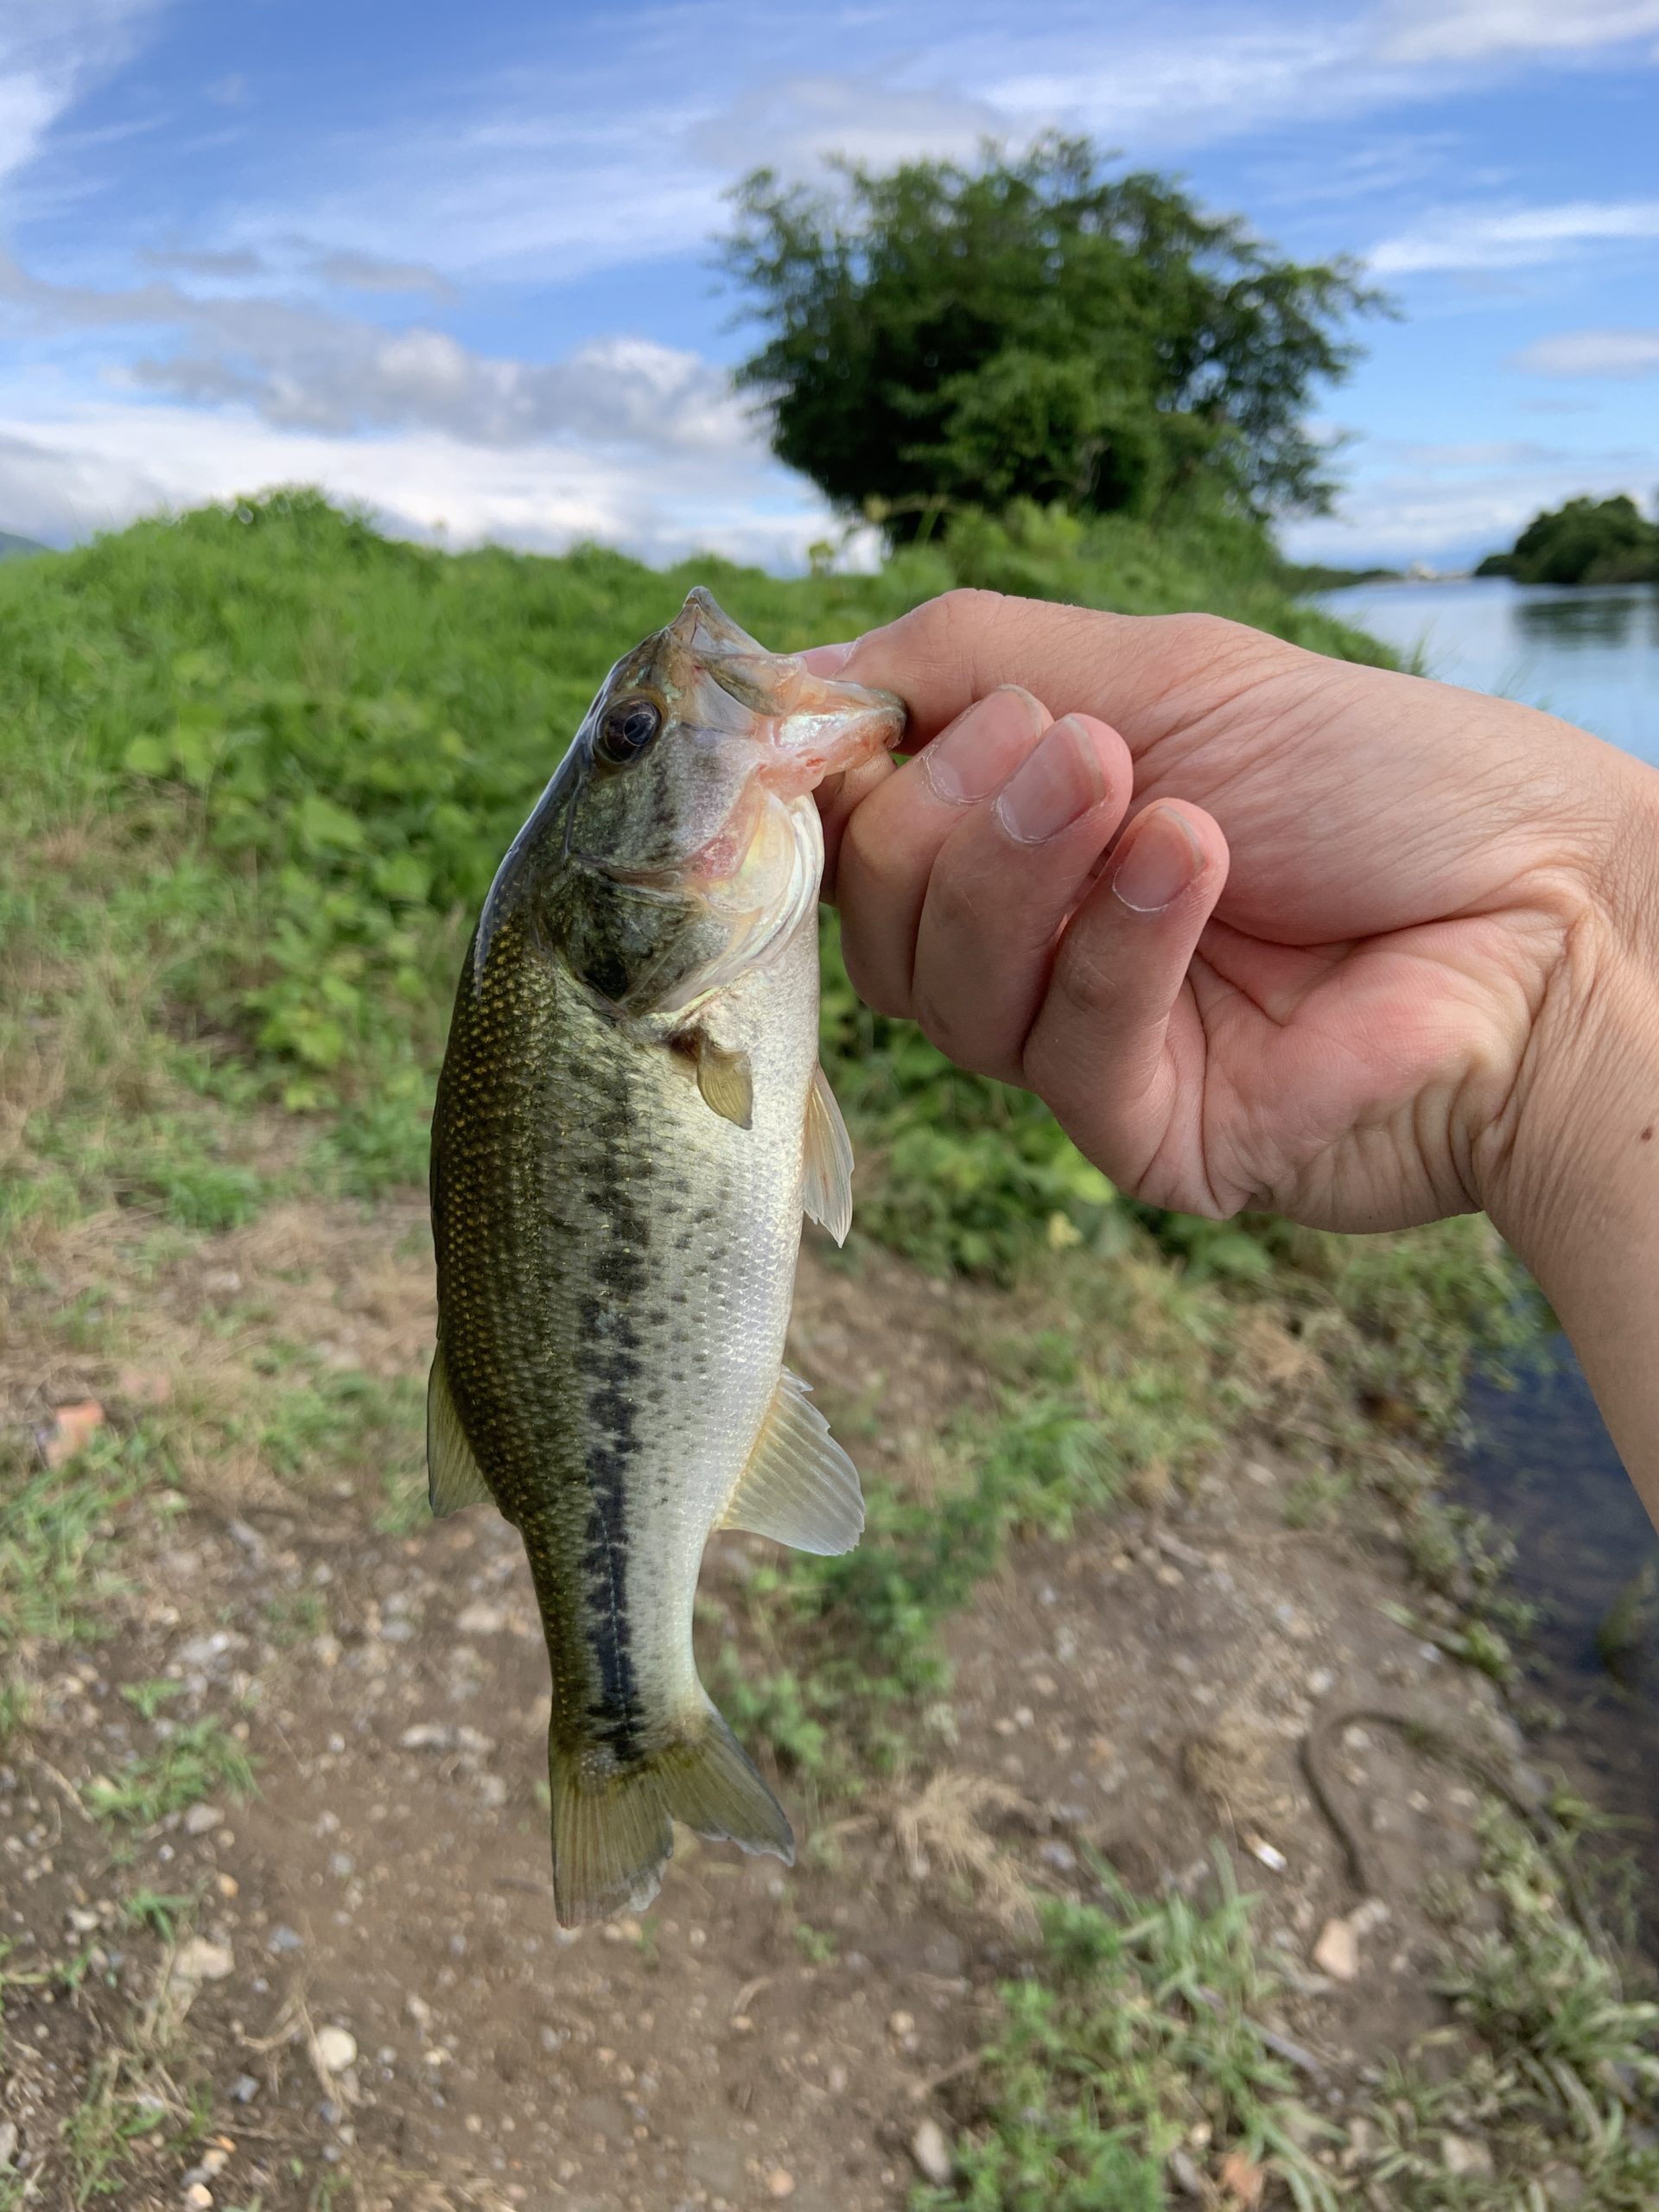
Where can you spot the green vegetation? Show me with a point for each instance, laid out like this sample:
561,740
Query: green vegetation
57,1540
941,337
1585,542
1144,2045
1139,2034
192,1764
261,763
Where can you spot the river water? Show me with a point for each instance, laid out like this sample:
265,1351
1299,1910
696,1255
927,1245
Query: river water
1541,1463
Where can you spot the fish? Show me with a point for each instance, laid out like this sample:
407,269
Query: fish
631,1124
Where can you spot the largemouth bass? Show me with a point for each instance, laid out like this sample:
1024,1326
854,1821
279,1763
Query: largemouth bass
631,1121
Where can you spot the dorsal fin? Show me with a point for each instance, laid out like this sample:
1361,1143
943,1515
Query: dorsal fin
827,1184
454,1478
799,1487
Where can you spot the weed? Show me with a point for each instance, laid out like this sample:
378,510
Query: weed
297,1616
198,1761
16,1709
346,1422
1137,2033
150,1697
158,1912
57,1542
818,1946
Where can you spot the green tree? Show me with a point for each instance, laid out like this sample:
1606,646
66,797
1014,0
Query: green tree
1033,328
1584,542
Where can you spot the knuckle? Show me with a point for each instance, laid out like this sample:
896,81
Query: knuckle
954,625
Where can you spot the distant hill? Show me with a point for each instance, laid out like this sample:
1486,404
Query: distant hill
13,548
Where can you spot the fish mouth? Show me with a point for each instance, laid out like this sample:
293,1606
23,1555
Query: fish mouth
808,727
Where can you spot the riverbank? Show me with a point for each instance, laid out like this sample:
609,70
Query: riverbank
1163,1602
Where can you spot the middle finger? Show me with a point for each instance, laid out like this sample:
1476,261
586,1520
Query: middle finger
896,834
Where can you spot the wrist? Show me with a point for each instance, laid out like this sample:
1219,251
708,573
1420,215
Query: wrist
1569,1172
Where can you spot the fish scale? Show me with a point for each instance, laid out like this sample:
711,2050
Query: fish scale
616,1253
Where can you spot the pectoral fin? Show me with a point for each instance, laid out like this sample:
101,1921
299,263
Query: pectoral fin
799,1487
725,1081
827,1186
454,1478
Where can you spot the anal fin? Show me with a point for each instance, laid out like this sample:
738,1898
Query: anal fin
827,1182
799,1487
454,1478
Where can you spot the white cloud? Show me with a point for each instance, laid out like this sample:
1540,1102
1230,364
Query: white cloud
1592,353
793,125
302,368
1416,31
1446,504
51,51
1518,237
65,472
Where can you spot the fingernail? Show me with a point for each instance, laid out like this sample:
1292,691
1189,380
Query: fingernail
1163,858
974,755
1059,782
829,660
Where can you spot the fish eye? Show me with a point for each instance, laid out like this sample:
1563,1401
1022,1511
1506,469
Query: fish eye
629,728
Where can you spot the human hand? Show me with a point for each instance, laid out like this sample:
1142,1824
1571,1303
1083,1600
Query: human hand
1312,973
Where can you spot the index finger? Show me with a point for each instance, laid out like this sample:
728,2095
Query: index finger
1143,674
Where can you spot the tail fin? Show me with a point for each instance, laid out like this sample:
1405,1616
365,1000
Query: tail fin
612,1831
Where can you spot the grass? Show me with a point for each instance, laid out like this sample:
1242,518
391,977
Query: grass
1136,2043
1138,2062
198,1761
58,1541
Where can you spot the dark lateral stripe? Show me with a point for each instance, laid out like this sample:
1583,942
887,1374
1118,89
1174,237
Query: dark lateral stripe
615,1180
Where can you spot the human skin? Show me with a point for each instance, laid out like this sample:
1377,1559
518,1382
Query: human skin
1268,929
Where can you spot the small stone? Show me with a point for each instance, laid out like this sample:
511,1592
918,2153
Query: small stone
1255,1472
901,2024
479,1619
201,1960
419,2010
1269,1855
780,2183
336,2049
1187,2177
82,1921
244,2090
932,2154
1462,2156
1337,1952
200,1818
1241,2180
283,1938
199,2197
7,2141
427,1736
71,1429
1060,1857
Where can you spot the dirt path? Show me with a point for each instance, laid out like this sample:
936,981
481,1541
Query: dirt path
358,1995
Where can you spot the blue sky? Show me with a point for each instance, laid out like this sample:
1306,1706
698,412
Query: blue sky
454,261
